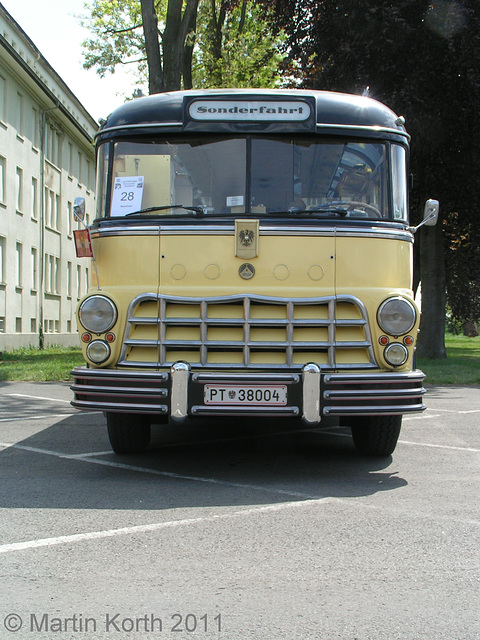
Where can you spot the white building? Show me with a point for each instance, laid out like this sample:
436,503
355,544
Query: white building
46,160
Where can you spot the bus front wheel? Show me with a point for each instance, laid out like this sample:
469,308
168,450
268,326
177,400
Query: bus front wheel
128,433
376,435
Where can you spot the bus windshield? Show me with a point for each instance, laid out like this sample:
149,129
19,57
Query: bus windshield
253,176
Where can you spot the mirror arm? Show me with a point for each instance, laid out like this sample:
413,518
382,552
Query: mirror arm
430,213
424,221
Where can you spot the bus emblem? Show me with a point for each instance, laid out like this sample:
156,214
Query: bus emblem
247,236
246,271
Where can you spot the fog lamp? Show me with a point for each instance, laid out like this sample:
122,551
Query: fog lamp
98,351
396,354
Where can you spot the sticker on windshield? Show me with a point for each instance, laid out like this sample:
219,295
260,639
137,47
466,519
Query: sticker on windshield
127,195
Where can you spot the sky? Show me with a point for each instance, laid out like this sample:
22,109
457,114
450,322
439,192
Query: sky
55,30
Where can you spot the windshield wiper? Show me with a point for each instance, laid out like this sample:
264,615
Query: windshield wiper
308,213
199,211
341,210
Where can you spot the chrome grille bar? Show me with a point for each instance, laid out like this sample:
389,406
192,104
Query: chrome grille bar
200,316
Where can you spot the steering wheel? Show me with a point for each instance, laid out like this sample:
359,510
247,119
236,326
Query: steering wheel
352,205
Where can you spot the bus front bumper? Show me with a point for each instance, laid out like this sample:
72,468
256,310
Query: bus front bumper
310,393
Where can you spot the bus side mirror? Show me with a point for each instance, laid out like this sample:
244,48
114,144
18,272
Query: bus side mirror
79,209
430,215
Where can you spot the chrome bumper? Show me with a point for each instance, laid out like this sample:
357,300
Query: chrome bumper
311,392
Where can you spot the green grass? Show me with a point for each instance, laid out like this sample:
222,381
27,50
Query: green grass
462,365
39,365
33,365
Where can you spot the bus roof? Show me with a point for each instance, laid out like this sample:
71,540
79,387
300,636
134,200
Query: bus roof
255,110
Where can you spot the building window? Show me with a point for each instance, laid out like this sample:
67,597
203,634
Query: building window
2,260
34,274
2,324
19,266
88,171
18,325
69,279
33,325
79,282
3,171
3,99
58,148
52,204
48,273
19,114
34,199
52,274
57,275
70,159
19,189
57,213
69,219
53,145
48,142
80,167
35,128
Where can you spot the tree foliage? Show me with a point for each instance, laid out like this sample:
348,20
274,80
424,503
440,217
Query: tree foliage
122,29
201,43
422,58
235,46
117,36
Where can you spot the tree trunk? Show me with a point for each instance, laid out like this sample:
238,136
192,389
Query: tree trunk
176,29
470,329
431,343
150,31
188,54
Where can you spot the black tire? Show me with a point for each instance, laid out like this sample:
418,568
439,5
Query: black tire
376,435
128,433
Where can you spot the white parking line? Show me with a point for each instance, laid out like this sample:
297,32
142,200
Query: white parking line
24,395
145,528
90,454
439,446
457,411
410,442
50,415
156,472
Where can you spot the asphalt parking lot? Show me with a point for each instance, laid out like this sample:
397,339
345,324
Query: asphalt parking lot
237,530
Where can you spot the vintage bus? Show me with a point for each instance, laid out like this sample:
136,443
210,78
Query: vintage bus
253,257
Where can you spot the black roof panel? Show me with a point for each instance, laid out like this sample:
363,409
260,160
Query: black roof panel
331,111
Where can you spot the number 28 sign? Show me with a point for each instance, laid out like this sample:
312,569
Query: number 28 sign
127,195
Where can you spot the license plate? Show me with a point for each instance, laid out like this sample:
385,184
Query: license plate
251,395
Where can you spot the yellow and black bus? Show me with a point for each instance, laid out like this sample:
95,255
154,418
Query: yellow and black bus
253,257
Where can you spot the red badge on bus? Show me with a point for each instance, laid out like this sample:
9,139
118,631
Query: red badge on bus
83,243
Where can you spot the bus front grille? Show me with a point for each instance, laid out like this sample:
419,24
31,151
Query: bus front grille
243,331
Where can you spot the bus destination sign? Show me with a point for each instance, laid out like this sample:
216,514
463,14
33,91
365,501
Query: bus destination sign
250,110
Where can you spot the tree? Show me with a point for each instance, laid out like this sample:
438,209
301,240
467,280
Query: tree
126,33
422,58
235,46
156,81
209,43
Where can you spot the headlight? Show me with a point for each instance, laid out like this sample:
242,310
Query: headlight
98,351
396,354
396,316
97,314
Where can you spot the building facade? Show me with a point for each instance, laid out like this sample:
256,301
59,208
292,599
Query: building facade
47,159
